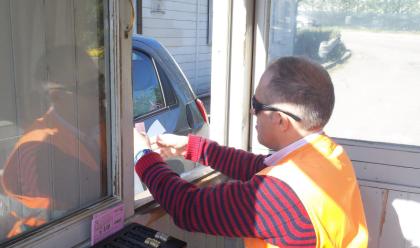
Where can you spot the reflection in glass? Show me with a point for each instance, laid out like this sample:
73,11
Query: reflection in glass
147,91
55,157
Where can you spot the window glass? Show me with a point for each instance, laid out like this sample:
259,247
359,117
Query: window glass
147,91
53,111
166,85
370,49
178,35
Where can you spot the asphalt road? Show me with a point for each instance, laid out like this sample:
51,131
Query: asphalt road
377,88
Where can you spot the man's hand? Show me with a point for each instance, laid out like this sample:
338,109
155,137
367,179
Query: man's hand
141,140
171,145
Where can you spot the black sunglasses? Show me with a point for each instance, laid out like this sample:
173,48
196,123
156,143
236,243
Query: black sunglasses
257,106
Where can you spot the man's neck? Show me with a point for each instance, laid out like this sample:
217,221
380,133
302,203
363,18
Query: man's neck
294,136
280,154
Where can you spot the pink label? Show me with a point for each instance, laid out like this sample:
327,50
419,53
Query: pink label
140,127
107,223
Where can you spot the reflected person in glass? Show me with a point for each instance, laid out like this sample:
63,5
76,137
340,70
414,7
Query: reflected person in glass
57,165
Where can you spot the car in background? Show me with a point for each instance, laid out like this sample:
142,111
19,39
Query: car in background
163,101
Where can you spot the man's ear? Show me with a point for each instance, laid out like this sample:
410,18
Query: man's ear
280,120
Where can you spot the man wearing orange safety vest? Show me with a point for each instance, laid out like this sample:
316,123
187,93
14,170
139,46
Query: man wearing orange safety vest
303,195
57,164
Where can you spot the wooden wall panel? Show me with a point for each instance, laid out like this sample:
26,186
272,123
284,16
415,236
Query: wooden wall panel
60,35
28,39
387,173
384,154
7,101
400,228
392,215
88,103
391,235
373,200
182,27
27,33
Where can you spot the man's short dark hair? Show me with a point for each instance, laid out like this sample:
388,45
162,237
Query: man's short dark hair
305,84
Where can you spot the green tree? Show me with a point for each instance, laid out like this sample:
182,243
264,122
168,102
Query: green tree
409,7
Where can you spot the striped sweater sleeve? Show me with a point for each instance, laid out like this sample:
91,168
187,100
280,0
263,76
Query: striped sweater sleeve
236,164
263,207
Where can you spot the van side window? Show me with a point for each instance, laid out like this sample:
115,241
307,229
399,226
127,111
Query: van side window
147,90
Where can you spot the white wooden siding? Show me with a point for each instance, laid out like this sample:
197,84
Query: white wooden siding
388,175
392,216
182,27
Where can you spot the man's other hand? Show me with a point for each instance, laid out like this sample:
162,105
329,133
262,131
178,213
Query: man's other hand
171,145
141,140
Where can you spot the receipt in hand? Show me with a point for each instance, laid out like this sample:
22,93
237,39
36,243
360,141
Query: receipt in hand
155,129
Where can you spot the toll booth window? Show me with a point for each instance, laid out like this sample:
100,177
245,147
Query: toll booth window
163,102
370,49
147,90
54,124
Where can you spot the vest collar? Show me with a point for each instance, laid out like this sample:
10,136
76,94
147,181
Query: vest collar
280,154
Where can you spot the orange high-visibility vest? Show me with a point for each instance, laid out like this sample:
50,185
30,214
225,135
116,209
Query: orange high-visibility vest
45,130
322,176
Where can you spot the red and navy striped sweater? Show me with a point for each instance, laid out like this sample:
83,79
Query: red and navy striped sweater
251,206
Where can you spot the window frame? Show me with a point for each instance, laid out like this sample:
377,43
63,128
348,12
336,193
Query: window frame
209,22
74,229
171,101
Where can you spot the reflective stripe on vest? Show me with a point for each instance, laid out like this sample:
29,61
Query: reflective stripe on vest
322,176
23,225
42,131
45,130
